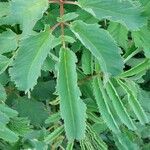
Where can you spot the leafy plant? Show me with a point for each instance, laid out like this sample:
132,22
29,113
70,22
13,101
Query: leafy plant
74,74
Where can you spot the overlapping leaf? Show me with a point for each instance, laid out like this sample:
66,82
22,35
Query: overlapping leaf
119,33
119,107
71,106
134,103
101,45
141,39
29,60
28,12
102,102
8,41
123,12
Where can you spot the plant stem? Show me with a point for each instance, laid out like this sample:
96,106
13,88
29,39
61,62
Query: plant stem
65,2
61,2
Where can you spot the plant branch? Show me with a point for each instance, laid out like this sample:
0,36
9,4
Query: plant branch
82,81
62,24
65,2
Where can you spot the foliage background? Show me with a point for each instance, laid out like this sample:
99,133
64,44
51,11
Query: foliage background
105,61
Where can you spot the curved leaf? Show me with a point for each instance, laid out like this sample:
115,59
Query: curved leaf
73,110
8,41
119,107
101,45
135,105
101,99
29,60
28,12
123,12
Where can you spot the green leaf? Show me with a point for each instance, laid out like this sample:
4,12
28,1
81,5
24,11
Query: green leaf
101,99
68,17
28,12
119,107
35,111
53,118
119,33
101,45
87,62
8,41
123,12
4,9
29,60
8,111
72,108
53,135
70,146
20,126
3,95
141,39
145,65
7,135
4,119
4,63
134,103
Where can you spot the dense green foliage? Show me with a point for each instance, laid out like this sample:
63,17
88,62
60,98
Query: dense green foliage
75,74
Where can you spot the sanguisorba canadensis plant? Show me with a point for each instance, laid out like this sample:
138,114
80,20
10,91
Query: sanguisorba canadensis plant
74,74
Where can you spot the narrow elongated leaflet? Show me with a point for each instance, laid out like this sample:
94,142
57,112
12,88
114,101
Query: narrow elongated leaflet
73,110
31,54
119,107
55,134
4,63
135,105
7,135
87,62
3,95
141,39
137,69
101,45
101,99
123,12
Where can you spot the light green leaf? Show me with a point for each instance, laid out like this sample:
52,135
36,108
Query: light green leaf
4,63
8,111
101,45
145,65
8,41
68,17
119,33
7,135
123,12
119,107
4,119
28,12
4,9
70,146
134,103
72,108
101,99
53,118
141,39
29,60
53,135
3,95
87,62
